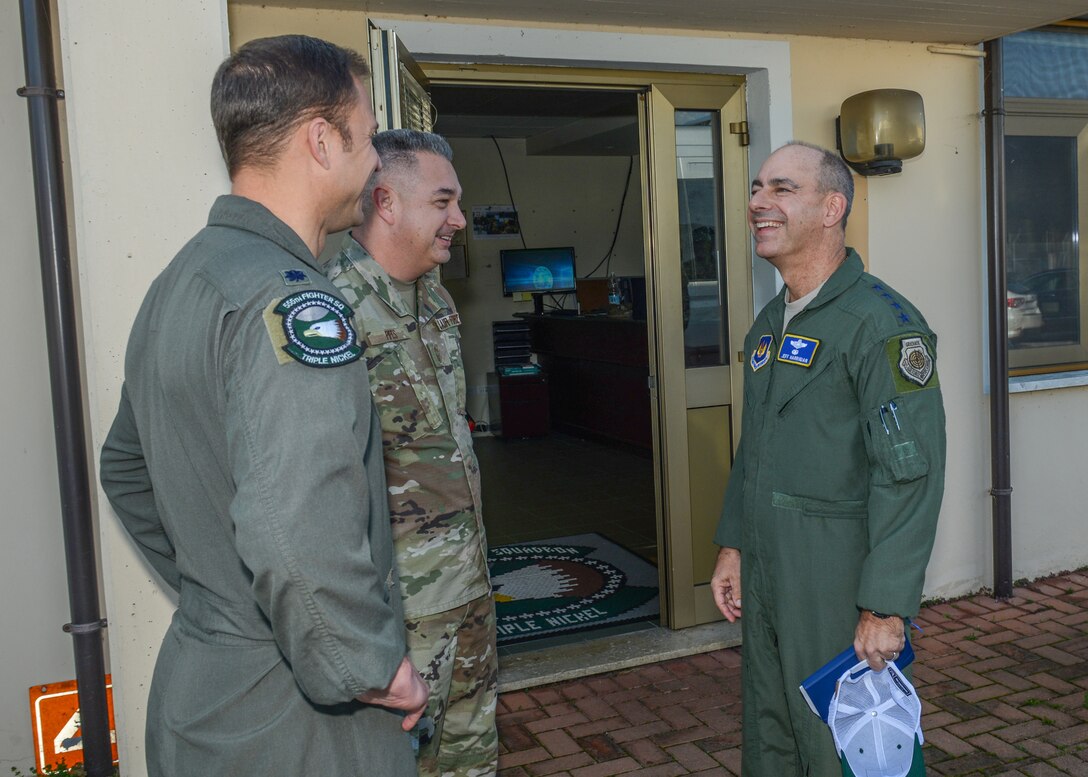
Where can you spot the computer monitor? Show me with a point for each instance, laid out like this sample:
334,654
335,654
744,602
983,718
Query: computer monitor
537,270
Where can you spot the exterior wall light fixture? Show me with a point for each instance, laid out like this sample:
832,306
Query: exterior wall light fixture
876,130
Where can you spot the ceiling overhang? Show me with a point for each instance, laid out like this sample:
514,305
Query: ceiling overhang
935,21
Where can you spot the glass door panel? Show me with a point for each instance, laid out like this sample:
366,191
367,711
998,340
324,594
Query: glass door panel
699,244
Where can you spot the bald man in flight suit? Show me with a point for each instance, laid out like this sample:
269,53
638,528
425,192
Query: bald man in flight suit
830,514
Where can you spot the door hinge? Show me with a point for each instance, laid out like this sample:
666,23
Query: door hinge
740,128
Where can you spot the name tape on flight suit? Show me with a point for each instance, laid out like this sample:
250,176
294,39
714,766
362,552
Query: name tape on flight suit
798,349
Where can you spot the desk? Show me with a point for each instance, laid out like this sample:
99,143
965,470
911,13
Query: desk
518,404
597,370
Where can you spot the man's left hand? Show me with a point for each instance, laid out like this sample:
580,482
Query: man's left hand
878,640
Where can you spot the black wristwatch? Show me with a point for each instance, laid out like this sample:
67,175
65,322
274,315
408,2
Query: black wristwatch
883,616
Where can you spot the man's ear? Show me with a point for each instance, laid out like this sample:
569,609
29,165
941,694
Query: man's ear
834,208
385,202
319,140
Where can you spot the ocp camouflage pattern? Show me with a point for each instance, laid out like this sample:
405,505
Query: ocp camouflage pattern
416,373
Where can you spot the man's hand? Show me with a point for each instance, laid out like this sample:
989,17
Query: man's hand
878,640
406,692
726,583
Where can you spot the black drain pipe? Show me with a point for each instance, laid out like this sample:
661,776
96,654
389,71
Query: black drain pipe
68,423
1000,468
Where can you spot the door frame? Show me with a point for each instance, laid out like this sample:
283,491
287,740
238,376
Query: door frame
682,603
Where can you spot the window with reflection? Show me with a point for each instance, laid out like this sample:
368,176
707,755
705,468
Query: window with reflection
1046,195
702,255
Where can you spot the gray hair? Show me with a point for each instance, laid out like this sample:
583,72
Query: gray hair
399,149
832,175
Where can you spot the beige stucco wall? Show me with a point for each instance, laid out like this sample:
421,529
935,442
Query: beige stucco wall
145,169
926,239
35,601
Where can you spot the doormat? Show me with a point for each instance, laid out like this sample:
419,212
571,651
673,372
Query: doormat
569,584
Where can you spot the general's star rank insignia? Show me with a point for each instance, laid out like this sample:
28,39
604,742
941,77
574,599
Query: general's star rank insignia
798,349
315,329
762,353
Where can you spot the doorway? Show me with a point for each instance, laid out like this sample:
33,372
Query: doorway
689,182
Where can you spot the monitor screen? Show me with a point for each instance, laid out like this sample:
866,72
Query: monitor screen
539,270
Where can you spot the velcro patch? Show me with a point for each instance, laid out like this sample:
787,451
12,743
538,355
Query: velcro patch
390,335
762,353
912,363
453,319
314,328
797,349
295,277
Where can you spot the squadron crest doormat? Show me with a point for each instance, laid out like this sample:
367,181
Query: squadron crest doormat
568,584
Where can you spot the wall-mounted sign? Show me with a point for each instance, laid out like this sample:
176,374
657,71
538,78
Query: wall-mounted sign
54,714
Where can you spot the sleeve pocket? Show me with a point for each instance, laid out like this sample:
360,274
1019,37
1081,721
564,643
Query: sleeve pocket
893,447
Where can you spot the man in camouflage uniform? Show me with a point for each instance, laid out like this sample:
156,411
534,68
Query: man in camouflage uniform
387,270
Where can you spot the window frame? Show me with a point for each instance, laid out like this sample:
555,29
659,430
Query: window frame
1037,117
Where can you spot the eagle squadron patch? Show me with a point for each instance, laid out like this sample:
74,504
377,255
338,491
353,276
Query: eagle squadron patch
315,329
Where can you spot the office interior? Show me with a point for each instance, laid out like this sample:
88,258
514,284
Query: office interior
569,451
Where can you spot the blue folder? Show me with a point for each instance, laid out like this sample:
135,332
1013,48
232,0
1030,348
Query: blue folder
819,687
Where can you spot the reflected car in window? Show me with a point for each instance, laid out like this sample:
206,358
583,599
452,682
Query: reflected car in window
1057,293
1023,311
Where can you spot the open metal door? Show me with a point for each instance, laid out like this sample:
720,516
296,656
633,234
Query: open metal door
398,85
698,239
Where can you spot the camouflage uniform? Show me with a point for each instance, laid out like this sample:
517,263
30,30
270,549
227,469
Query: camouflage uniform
418,382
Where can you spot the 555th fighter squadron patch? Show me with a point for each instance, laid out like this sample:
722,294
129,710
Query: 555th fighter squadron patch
314,328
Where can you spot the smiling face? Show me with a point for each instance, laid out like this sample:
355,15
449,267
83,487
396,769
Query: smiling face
787,213
428,197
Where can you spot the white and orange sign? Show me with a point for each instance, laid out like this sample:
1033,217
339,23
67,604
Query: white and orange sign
54,713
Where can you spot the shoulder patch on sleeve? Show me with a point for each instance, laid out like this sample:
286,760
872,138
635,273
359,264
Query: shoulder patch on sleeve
314,328
911,360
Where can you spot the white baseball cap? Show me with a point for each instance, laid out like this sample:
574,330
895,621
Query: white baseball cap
875,719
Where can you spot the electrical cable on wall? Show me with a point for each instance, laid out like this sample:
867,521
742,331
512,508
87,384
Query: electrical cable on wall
510,192
615,234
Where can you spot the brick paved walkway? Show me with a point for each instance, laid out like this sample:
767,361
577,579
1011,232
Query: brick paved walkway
1004,685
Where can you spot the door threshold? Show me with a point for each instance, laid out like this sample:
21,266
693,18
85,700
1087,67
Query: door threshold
546,661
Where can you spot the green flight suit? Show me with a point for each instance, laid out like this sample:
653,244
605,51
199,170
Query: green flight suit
246,462
833,497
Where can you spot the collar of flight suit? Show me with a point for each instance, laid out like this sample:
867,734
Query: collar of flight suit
430,301
839,281
230,210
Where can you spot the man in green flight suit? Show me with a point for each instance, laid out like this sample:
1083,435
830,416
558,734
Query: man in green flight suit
833,498
388,271
245,458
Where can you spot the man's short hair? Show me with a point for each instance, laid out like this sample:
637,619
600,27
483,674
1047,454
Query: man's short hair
832,175
263,91
399,149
